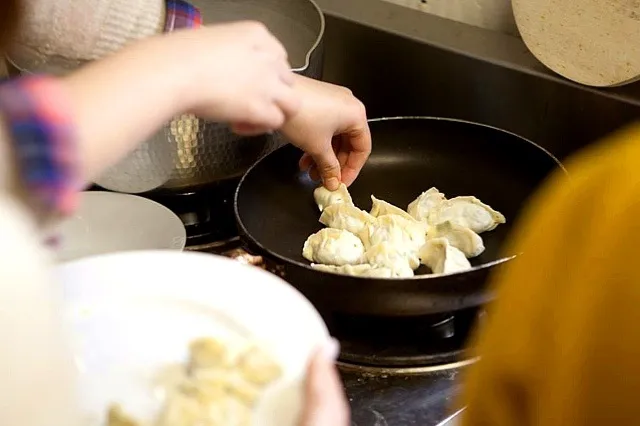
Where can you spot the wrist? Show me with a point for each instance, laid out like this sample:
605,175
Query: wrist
39,125
181,15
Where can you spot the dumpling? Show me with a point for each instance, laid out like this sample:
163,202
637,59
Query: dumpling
385,255
381,207
333,247
468,212
420,207
443,258
364,270
345,216
462,238
407,234
325,198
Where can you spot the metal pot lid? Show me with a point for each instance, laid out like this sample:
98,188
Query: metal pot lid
298,24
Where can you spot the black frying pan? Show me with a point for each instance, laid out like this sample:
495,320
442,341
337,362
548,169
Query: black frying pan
275,209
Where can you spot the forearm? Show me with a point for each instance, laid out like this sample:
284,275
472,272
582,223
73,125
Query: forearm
120,101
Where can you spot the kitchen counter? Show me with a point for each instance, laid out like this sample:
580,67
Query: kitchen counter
403,62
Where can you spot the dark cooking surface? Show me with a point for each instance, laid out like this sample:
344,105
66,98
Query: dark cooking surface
403,341
409,156
276,212
402,400
207,212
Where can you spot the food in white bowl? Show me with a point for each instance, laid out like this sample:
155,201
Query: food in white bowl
149,326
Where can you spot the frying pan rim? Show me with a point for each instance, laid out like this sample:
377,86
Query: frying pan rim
243,230
314,46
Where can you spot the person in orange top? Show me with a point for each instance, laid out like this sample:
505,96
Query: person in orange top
562,343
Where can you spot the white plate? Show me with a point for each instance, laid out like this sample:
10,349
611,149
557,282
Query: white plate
133,314
108,222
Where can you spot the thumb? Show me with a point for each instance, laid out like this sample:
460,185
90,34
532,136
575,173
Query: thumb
325,401
328,166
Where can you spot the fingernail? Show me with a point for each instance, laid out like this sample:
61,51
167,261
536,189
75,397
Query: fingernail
332,184
331,350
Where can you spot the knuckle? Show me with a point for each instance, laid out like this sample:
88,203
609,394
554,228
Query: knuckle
330,164
360,109
256,28
345,91
278,118
255,109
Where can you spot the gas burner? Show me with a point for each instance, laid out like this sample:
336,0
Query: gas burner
414,342
207,212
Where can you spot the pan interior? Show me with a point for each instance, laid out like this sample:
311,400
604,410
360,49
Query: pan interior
296,23
275,203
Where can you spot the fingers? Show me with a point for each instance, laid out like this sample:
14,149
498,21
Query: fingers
279,90
325,401
359,141
353,152
305,162
328,167
263,38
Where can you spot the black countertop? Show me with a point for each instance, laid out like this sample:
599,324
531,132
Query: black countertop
401,400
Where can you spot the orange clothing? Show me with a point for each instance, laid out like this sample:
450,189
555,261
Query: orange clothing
561,346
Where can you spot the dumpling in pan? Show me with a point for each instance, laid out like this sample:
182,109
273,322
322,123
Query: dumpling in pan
364,270
385,255
396,230
443,258
468,212
420,207
345,216
381,207
325,198
462,238
333,247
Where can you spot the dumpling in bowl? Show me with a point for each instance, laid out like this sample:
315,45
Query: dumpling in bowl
443,258
469,212
381,207
364,270
345,216
325,198
385,255
462,238
396,230
333,247
420,207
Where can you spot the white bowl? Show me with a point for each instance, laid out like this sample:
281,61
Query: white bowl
133,314
108,222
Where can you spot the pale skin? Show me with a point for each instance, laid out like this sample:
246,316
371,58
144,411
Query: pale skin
235,73
252,89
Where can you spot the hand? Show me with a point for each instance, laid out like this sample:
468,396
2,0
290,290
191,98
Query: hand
326,404
331,127
241,75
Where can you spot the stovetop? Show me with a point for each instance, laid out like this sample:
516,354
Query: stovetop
396,372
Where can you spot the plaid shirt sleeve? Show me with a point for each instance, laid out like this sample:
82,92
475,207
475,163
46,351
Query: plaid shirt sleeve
38,118
181,14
